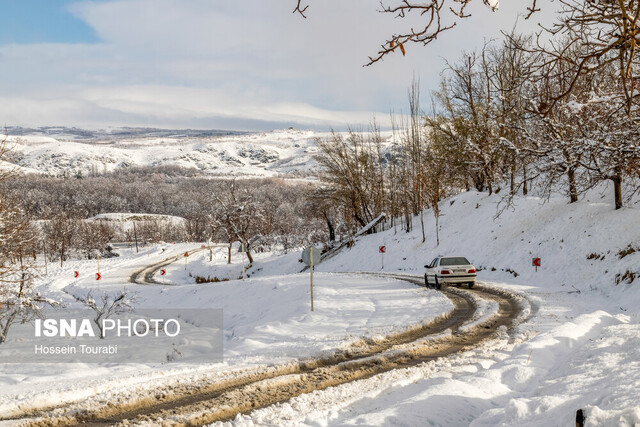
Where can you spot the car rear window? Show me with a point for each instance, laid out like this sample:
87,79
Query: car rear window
458,260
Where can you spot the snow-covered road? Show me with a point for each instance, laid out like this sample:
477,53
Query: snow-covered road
197,403
267,323
570,354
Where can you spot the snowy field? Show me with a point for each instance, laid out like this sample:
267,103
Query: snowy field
248,155
578,349
267,321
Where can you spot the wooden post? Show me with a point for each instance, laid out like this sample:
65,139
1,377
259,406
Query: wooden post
98,262
311,271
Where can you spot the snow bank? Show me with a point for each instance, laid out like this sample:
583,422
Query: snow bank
267,321
577,349
580,244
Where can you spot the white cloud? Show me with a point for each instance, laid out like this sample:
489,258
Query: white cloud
209,63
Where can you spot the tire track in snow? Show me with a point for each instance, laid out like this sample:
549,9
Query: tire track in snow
145,275
200,404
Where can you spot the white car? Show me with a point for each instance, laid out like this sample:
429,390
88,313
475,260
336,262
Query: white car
449,270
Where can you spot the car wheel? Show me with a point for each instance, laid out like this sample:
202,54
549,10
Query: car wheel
438,285
471,284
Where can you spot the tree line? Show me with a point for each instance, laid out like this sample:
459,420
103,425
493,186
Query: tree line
513,116
264,214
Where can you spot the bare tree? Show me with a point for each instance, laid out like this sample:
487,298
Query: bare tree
19,302
108,306
352,173
238,216
437,17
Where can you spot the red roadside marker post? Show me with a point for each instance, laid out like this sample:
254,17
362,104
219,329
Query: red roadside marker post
186,255
75,274
98,276
382,250
537,262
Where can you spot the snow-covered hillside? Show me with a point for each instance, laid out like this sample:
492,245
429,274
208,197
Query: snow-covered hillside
577,351
255,154
583,246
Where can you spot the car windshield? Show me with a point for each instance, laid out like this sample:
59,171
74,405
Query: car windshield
458,260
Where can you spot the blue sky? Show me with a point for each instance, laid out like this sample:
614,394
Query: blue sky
250,65
37,21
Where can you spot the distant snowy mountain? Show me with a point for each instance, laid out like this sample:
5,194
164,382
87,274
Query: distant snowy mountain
69,151
64,133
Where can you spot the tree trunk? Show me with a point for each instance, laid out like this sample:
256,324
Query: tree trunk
513,178
62,251
135,235
525,188
617,188
5,328
97,322
229,257
249,256
573,191
407,219
332,231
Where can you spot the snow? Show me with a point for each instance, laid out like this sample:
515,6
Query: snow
575,349
494,5
267,321
256,154
126,220
576,361
119,216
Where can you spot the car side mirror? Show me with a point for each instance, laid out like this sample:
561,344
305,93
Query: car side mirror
426,266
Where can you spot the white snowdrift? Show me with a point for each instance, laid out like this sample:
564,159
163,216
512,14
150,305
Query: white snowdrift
577,351
267,321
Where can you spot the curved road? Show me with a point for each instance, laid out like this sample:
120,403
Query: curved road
145,275
193,405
